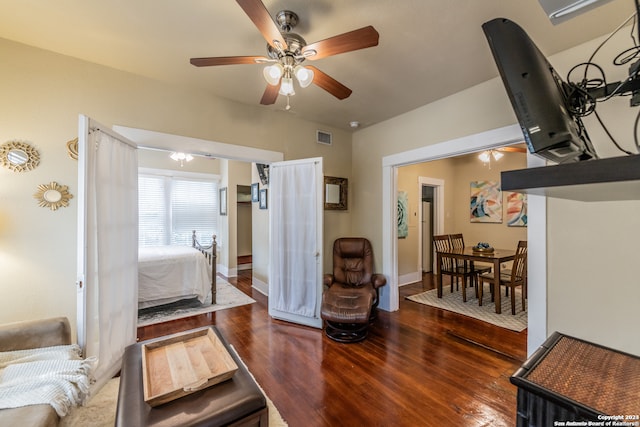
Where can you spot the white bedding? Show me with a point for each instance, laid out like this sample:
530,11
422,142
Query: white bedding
171,273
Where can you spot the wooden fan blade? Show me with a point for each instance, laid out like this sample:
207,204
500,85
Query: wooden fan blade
270,94
261,18
226,60
513,149
347,42
329,84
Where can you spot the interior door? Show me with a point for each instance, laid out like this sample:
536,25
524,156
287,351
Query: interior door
296,227
107,246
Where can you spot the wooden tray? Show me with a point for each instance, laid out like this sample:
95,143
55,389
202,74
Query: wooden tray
183,364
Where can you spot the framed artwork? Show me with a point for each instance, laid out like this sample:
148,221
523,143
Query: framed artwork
263,172
335,193
263,199
255,195
223,201
403,213
486,202
516,209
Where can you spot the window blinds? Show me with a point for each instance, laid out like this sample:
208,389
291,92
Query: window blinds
171,207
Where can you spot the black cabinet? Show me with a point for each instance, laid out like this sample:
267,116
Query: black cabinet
571,380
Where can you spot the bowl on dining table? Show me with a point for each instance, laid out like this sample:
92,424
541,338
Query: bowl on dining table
483,247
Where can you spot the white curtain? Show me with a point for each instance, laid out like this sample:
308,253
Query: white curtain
111,282
294,246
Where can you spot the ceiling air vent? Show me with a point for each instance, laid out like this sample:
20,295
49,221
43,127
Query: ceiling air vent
323,137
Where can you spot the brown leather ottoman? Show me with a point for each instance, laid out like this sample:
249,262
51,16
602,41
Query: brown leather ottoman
238,401
346,312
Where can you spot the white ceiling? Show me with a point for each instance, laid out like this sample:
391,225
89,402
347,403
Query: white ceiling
428,48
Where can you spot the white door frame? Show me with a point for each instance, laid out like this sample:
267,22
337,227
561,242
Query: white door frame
536,232
165,141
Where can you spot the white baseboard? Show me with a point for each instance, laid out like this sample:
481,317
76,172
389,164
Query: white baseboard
260,286
409,278
226,271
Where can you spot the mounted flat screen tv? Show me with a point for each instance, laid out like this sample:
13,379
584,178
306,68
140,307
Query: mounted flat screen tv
538,95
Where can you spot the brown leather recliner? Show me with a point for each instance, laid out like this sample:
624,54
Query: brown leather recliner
351,297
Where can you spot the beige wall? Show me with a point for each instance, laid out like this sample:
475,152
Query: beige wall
43,94
244,228
585,296
456,173
408,176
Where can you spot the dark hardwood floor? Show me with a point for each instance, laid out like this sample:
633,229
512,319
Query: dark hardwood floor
420,366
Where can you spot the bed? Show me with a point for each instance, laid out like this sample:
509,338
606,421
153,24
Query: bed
171,273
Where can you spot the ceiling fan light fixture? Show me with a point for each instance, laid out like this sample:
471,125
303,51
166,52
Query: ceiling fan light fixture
496,154
485,157
272,73
286,87
304,75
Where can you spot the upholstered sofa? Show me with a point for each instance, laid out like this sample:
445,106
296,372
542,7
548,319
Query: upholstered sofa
26,335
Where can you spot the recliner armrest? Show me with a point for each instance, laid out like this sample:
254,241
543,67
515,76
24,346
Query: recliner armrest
378,280
327,280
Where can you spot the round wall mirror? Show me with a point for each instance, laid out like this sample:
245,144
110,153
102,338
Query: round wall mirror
19,156
53,196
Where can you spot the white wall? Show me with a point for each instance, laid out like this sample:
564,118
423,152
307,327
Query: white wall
586,296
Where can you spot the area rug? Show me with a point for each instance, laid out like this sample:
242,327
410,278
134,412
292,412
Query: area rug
227,296
486,312
100,411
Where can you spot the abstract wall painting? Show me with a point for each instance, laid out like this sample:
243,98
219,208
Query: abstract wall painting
516,209
486,202
403,226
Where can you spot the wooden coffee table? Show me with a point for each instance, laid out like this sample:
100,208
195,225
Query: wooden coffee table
237,401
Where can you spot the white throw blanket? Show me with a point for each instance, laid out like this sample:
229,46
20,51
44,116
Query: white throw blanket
57,376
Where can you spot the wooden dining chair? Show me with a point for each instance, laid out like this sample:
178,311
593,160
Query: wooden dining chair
516,277
457,242
449,265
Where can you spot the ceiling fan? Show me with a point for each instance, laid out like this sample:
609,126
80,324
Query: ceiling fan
286,51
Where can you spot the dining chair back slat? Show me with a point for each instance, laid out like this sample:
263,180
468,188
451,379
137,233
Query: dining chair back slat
516,277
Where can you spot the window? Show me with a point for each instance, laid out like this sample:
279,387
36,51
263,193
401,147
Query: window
171,205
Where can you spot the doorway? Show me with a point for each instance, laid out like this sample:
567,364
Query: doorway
536,231
244,227
206,148
426,219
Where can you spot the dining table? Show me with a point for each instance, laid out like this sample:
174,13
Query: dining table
470,254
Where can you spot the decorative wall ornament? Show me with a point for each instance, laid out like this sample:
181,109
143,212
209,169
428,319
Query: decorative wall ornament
53,195
403,213
72,148
19,156
486,202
